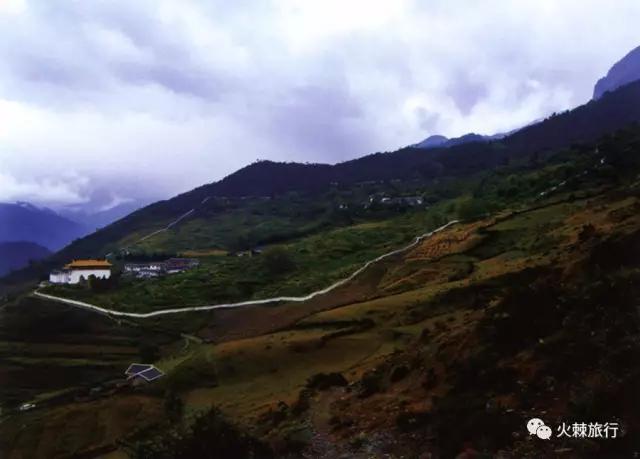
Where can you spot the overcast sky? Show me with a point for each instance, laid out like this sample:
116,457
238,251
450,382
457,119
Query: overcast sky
104,101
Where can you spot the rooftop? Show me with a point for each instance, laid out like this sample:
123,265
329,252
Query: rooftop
151,374
89,263
136,368
147,372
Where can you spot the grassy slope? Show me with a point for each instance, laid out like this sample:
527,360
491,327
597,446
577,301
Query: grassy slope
319,261
399,169
257,373
52,356
468,288
323,256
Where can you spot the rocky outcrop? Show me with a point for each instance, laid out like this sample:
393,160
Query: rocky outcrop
623,72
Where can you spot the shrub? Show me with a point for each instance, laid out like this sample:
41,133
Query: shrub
173,406
324,381
277,260
526,313
471,209
409,421
295,438
431,380
399,373
370,383
190,374
586,233
303,402
148,352
210,436
275,416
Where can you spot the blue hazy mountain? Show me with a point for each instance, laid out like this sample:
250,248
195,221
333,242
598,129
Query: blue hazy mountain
625,71
96,219
26,222
16,255
440,141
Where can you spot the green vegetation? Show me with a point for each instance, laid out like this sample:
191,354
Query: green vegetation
294,268
312,243
277,261
452,343
54,349
209,435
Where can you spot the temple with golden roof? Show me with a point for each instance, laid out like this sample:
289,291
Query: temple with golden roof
79,270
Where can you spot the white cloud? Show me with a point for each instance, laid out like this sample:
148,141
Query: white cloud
114,201
12,7
46,191
154,97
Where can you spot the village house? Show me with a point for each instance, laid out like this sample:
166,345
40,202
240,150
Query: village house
403,201
140,373
144,270
79,270
247,253
178,265
152,269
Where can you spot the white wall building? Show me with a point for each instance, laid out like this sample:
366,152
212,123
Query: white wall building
77,270
138,267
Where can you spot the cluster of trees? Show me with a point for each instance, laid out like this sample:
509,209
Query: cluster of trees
587,123
472,208
98,284
277,261
146,256
209,436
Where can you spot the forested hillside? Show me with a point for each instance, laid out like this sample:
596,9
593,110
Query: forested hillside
525,308
413,166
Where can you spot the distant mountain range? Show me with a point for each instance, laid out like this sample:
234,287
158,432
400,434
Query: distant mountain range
95,220
25,222
440,141
589,122
16,255
623,72
583,124
29,232
436,157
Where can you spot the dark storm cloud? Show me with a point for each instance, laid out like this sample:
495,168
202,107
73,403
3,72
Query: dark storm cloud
187,81
466,92
328,117
92,46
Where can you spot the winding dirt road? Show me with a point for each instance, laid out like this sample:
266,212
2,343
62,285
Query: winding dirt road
146,315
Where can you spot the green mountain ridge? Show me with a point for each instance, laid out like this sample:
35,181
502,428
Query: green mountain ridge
269,180
526,308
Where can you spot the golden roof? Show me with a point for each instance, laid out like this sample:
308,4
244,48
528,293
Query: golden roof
79,264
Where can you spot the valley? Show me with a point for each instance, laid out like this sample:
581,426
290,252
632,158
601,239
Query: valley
319,230
525,306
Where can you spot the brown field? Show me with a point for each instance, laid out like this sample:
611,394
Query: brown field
425,311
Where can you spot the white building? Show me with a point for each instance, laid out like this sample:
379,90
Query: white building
157,268
144,270
77,270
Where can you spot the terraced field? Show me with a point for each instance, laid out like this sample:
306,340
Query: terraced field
455,342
